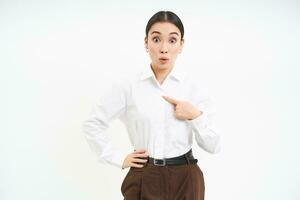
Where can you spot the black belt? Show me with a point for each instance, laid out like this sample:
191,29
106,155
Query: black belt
186,158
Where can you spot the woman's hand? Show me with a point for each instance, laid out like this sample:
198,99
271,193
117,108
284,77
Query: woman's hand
138,156
183,109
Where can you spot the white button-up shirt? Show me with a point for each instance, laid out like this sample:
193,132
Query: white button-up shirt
150,120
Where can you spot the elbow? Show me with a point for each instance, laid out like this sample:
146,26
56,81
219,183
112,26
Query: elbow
211,145
88,129
216,149
216,146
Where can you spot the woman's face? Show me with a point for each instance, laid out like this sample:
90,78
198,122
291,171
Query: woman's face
163,44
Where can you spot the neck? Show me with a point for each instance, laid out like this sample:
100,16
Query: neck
161,74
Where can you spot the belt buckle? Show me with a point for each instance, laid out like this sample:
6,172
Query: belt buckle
163,164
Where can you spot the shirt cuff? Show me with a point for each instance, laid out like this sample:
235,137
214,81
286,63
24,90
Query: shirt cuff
117,158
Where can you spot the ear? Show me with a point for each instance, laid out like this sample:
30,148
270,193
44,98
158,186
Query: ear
146,42
181,44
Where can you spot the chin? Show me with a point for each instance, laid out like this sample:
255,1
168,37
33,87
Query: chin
163,66
160,66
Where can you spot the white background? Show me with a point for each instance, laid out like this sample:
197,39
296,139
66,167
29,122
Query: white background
57,56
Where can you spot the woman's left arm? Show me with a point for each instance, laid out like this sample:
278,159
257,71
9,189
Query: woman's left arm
206,134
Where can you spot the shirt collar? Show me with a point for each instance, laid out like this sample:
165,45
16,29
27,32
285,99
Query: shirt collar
175,73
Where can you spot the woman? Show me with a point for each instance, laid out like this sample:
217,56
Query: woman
161,109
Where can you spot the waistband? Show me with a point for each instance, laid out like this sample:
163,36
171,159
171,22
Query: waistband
186,158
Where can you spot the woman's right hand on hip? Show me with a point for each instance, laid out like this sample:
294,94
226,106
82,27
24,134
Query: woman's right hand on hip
138,156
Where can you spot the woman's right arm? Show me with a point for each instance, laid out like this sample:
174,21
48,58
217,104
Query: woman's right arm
111,105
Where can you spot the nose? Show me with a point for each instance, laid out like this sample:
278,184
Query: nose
164,48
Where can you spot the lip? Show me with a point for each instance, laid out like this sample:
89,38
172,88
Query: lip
163,58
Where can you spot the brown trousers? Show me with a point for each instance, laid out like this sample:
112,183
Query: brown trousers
151,182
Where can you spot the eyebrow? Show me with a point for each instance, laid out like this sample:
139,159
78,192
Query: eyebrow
160,33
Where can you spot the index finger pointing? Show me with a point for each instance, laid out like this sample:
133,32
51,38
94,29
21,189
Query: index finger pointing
170,100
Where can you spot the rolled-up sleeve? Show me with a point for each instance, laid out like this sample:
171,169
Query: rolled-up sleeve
204,128
111,105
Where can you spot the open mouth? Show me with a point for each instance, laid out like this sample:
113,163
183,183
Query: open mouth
163,59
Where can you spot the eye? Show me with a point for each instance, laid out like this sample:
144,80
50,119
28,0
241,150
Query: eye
173,40
155,39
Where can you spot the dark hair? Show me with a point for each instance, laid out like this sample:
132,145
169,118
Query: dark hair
165,16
